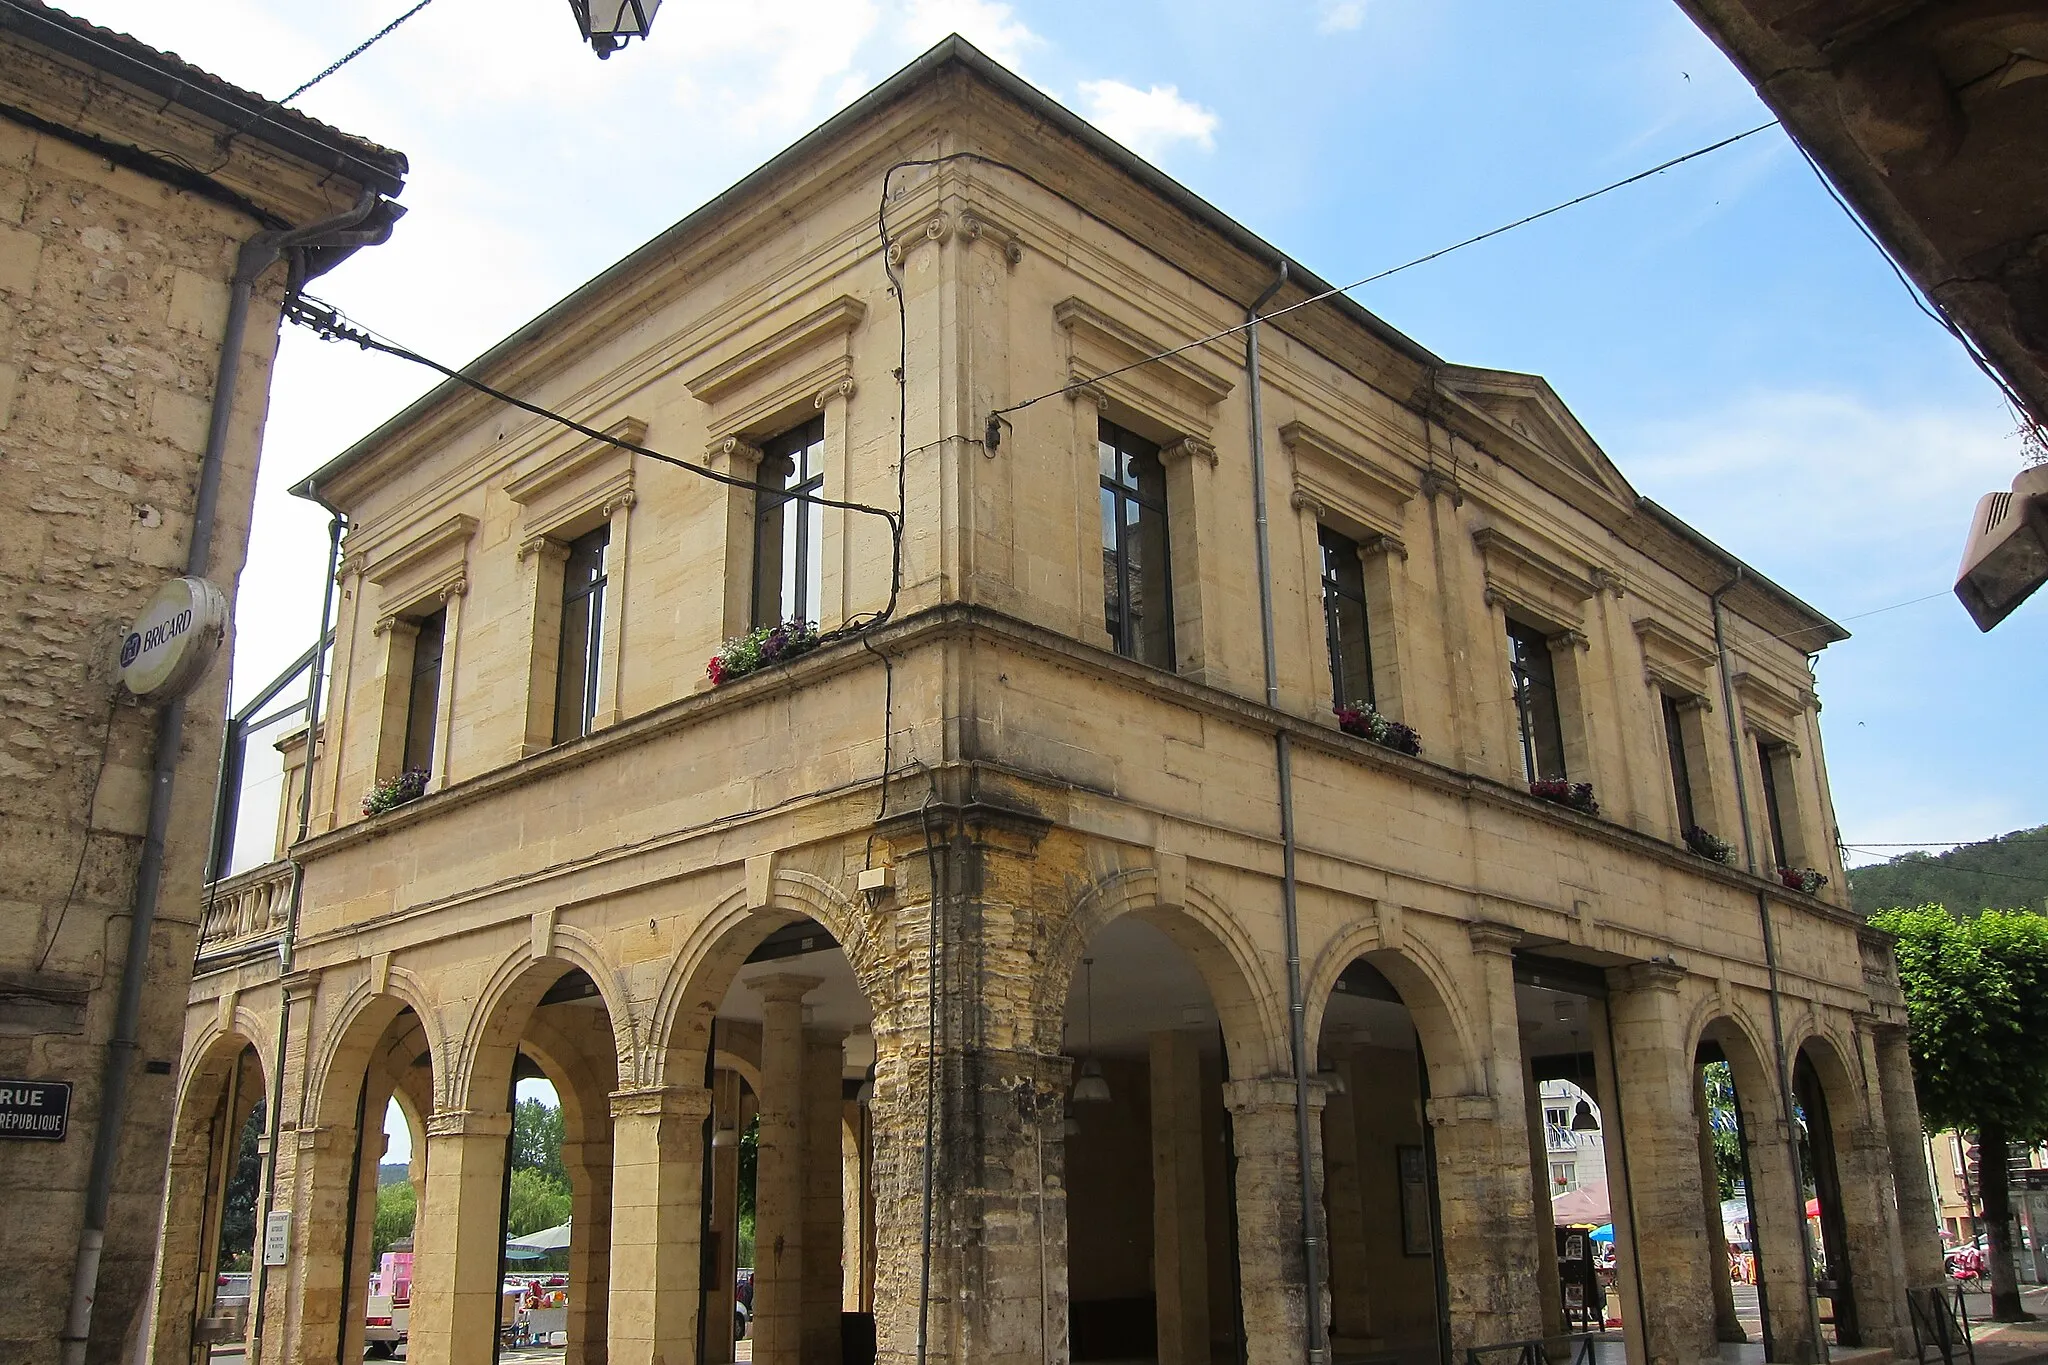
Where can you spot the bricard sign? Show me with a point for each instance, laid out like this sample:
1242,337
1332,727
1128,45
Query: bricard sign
174,638
34,1109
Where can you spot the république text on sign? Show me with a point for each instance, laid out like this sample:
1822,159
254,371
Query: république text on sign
34,1109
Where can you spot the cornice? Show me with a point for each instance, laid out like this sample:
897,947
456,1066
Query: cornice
719,380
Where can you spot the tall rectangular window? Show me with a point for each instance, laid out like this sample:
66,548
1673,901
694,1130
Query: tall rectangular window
1681,775
576,673
1137,591
1344,619
423,698
1766,759
789,532
1535,696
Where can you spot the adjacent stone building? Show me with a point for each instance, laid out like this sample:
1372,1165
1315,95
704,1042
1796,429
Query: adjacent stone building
132,188
994,907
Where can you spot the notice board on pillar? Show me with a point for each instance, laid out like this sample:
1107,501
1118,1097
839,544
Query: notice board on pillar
1412,1166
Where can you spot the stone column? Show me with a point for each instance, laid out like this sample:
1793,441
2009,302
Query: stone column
1919,1240
189,1233
1779,1208
315,1171
1344,1213
725,1217
1542,1219
1180,1245
1726,1326
1655,1082
779,1172
1272,1269
589,1164
456,1277
657,1175
824,1207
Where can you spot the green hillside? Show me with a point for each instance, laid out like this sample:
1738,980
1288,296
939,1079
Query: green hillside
2003,873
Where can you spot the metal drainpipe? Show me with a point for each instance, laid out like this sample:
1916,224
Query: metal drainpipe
1763,914
1311,1242
257,255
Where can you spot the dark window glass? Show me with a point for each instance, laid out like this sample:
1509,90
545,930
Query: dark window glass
423,700
1137,592
1681,776
1344,619
1766,756
1535,682
576,673
789,533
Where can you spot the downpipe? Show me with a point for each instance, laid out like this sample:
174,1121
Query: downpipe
1283,760
1763,914
256,256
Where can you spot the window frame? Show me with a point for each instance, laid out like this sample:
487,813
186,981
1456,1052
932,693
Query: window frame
1334,545
416,669
1686,798
1527,645
590,596
1768,753
801,566
1118,496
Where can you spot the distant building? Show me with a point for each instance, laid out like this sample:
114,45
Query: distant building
131,185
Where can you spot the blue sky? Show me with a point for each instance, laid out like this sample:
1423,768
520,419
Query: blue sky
1738,349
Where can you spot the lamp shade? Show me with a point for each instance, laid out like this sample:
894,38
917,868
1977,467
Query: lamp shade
1091,1088
1583,1119
607,24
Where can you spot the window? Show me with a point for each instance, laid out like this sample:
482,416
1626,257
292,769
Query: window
576,674
1344,619
1535,681
423,698
1137,592
1767,757
1681,775
1556,1118
788,532
1563,1172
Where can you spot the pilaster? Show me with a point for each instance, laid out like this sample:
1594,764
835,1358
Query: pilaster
657,1175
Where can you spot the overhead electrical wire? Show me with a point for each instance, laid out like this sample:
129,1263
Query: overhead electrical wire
358,50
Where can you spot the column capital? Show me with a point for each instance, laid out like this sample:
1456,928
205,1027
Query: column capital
784,988
734,455
662,1101
1658,974
468,1123
1489,936
1263,1094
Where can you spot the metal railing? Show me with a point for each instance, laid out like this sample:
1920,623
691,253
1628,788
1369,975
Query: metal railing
1574,1349
245,914
1941,1325
1560,1137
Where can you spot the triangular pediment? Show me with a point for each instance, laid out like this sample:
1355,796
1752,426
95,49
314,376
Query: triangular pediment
1520,418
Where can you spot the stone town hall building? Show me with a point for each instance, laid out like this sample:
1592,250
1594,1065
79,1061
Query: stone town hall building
1058,1117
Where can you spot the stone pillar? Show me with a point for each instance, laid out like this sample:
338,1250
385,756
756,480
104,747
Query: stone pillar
315,1170
369,1156
1919,1220
1779,1208
589,1164
657,1175
1344,1214
1726,1326
456,1277
779,1172
190,1223
1180,1245
1272,1269
1542,1219
725,1217
1655,1082
824,1207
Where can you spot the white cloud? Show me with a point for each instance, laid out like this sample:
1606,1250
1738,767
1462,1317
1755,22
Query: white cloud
1342,16
1148,121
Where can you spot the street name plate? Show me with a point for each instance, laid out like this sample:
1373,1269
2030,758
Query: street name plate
40,1110
277,1237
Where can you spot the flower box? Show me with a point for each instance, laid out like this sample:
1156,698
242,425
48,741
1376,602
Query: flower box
760,647
394,792
1708,845
1576,796
1362,719
1802,879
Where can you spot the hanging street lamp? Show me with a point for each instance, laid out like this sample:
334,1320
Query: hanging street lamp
607,24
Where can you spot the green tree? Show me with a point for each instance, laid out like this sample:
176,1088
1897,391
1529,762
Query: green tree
1724,1125
395,1210
537,1201
1977,997
2008,871
537,1140
238,1216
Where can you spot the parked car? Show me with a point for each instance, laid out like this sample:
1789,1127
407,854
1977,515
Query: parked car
742,1318
384,1326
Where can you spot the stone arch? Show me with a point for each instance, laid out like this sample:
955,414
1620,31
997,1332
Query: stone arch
1830,1055
1253,1013
678,1027
1746,1045
245,1026
358,1024
1429,988
482,1065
